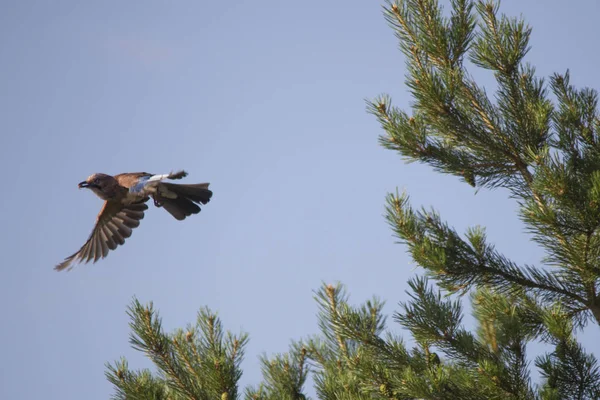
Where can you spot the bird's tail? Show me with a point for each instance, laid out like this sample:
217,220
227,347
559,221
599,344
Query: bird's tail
181,200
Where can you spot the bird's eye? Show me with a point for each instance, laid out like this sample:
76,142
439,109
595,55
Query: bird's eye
96,181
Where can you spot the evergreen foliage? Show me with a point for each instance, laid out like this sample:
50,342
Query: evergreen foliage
540,142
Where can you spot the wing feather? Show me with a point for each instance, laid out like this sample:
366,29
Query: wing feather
114,224
117,238
104,242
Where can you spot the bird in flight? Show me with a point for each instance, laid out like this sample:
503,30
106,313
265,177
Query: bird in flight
125,196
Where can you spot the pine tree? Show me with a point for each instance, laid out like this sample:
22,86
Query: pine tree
545,153
540,142
200,362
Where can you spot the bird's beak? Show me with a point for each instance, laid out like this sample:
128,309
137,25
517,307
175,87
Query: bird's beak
83,184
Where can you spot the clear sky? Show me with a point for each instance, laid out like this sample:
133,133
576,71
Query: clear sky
263,99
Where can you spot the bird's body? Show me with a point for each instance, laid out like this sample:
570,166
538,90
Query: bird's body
125,196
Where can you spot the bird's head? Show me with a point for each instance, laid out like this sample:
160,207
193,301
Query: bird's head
101,184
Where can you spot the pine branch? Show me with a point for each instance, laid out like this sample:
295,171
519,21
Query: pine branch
435,321
202,362
135,385
284,377
569,371
459,265
147,336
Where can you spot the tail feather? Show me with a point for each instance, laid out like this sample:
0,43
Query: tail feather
188,195
180,208
197,192
177,175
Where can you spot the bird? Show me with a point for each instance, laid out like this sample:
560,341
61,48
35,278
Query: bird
125,196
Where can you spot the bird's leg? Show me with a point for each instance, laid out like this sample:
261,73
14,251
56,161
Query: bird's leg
157,203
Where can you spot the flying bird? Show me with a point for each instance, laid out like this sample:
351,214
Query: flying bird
125,196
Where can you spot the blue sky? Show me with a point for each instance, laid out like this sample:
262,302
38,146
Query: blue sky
263,99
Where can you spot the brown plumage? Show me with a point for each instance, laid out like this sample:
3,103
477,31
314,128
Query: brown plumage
125,196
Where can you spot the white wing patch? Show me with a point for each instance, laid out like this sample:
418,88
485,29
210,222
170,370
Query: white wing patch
158,177
147,185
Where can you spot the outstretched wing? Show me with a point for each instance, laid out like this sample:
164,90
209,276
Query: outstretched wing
115,222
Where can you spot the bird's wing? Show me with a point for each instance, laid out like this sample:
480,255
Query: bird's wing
115,222
130,179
